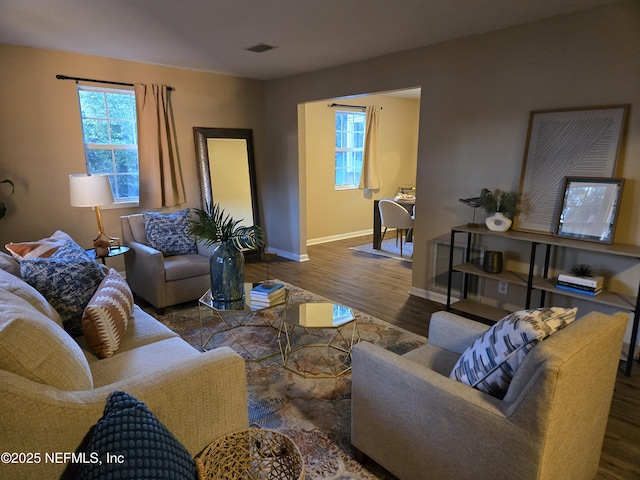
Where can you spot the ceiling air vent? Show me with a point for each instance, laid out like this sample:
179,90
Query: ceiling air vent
260,48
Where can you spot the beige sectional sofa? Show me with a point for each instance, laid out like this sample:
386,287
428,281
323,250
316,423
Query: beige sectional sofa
53,389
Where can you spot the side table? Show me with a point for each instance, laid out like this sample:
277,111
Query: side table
113,252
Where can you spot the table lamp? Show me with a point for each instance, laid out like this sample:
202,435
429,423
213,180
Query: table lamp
93,191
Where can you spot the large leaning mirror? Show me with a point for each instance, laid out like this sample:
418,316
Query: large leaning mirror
226,170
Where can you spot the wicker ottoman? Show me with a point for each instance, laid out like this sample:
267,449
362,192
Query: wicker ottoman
251,454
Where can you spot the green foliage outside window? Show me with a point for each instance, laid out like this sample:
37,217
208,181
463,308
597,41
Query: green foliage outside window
111,138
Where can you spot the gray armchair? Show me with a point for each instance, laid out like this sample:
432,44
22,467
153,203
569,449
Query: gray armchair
162,281
409,417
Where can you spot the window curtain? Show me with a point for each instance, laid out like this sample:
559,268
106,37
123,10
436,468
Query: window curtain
370,177
161,182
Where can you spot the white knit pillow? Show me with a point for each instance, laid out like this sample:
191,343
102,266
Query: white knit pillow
106,316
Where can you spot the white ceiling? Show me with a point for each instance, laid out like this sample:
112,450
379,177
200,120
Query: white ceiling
212,35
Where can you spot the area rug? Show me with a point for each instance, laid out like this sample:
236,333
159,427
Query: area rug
388,249
314,412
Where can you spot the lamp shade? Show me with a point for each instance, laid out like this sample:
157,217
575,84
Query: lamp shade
90,190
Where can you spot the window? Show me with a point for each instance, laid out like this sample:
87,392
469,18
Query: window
111,138
349,148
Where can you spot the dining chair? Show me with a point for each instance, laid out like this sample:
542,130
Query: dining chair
394,215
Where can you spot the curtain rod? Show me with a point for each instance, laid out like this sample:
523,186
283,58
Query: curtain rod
349,106
77,79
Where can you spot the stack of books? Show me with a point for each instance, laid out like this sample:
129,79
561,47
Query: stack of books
591,285
266,295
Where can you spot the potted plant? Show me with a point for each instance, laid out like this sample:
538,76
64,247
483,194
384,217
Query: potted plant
3,208
227,260
502,207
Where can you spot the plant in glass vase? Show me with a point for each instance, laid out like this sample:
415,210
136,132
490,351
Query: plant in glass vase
502,207
214,226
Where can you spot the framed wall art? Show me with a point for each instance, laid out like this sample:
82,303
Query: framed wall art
581,142
589,208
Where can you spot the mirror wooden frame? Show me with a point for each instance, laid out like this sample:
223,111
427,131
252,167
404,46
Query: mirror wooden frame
602,213
201,135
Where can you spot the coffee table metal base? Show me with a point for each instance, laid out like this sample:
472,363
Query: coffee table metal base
316,339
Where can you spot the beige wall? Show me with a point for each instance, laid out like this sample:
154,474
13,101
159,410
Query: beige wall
477,93
335,213
41,139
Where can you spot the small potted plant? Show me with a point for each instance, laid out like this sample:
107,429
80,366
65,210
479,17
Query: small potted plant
502,207
227,260
3,208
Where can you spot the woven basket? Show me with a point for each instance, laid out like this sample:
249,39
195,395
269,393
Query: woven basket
251,454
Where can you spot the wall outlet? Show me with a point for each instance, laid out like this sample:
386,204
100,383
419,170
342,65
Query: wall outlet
503,287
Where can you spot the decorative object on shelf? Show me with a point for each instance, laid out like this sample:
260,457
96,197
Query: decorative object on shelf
581,270
227,259
502,207
94,191
589,208
581,279
498,222
473,202
3,208
565,142
492,262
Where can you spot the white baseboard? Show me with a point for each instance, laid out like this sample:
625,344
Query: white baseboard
288,255
430,295
342,236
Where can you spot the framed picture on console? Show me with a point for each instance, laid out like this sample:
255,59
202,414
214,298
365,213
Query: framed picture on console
589,208
578,142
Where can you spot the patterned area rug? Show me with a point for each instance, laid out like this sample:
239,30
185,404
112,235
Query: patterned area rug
314,412
388,249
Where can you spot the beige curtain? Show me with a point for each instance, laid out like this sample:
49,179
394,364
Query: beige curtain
370,178
160,175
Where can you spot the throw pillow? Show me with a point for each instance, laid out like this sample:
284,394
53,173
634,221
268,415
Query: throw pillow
67,279
491,361
106,316
169,233
40,248
148,450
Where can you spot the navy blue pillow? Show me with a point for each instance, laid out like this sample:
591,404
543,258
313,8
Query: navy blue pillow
129,432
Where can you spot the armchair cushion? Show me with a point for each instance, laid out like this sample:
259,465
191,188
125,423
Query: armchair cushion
68,279
491,361
105,318
149,450
169,233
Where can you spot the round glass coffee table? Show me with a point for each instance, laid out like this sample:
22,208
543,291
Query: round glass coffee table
316,339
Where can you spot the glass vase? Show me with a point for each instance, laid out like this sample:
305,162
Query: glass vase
227,273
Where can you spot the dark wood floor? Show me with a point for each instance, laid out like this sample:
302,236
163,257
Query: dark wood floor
379,286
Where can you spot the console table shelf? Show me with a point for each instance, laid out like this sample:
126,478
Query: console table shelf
540,282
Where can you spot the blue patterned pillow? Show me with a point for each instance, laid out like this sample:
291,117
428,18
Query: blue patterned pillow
148,450
491,361
169,232
67,279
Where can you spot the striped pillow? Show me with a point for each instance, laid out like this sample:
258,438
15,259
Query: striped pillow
106,316
491,361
